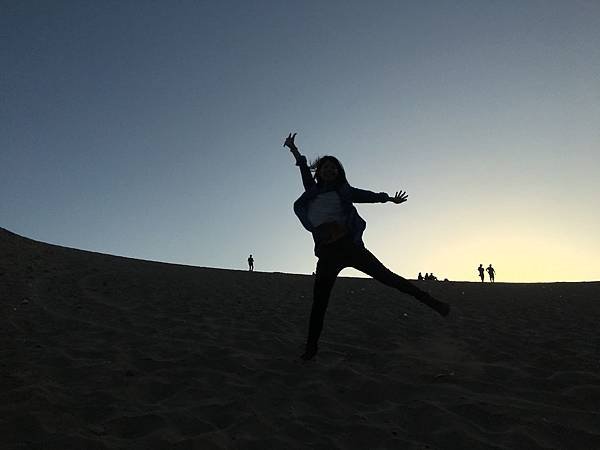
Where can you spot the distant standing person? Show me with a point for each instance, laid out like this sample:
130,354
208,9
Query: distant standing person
250,263
481,272
326,210
491,272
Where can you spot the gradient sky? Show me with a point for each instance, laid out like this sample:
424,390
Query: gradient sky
156,131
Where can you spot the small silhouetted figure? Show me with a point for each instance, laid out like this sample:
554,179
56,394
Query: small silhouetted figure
250,263
491,272
481,271
426,277
326,210
420,277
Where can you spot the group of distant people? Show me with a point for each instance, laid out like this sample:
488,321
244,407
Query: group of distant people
427,277
490,270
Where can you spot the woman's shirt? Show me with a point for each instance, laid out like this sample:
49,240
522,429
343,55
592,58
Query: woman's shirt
326,207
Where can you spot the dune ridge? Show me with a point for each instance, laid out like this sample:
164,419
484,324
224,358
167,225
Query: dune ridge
106,352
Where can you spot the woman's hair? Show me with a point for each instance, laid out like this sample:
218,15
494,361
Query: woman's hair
318,163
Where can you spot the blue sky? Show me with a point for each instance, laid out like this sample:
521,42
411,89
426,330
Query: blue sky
155,131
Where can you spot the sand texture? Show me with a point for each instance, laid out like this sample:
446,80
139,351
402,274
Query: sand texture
103,352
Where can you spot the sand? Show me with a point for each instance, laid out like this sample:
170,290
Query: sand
105,352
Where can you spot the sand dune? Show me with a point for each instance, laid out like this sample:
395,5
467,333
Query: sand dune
104,352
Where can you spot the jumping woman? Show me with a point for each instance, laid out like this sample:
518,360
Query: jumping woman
326,210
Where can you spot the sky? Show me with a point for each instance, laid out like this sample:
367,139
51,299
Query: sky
154,130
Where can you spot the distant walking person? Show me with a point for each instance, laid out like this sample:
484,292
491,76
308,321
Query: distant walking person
491,272
481,271
326,210
250,263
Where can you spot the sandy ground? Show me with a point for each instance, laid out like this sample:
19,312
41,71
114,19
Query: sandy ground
102,352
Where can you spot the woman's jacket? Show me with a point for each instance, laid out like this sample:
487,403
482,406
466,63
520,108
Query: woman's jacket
348,195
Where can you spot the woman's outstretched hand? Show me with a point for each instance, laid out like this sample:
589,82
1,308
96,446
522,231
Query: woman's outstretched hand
289,142
400,197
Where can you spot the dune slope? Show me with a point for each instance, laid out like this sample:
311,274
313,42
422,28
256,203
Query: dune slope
104,352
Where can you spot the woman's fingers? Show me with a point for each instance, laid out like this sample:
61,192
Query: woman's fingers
400,197
289,141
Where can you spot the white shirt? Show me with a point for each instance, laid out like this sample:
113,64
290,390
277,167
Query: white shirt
326,207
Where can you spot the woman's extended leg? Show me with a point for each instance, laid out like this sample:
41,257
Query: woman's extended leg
365,261
326,273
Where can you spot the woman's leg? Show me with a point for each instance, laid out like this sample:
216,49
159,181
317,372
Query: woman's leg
327,271
365,261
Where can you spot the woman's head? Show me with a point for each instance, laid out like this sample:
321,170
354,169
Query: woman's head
329,170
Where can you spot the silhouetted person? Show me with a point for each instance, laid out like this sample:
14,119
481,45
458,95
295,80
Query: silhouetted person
420,277
481,271
250,263
491,272
326,210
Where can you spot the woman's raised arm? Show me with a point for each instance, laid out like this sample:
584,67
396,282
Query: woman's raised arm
307,179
